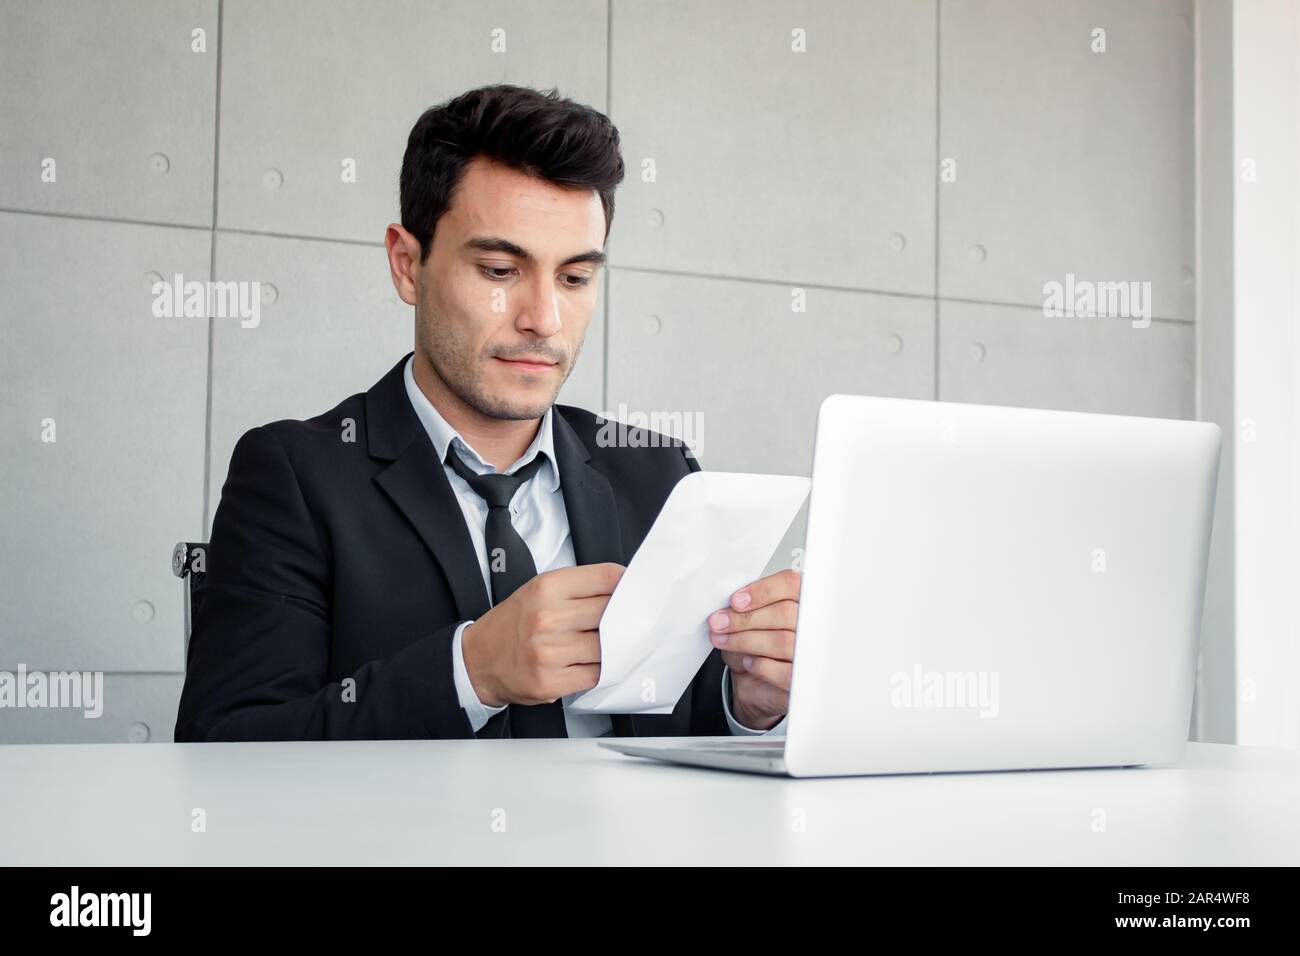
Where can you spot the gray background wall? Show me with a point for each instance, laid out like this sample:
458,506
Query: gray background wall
775,170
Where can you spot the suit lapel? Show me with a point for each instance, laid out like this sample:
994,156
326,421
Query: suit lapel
588,498
417,484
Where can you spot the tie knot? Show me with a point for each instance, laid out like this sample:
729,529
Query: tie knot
496,490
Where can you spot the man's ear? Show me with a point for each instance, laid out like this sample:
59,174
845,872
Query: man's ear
403,262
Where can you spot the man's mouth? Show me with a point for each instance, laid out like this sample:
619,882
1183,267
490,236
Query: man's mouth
528,364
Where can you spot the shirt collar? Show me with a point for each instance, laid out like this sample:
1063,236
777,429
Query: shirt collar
443,435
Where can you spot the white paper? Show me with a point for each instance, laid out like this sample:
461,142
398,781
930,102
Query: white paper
714,534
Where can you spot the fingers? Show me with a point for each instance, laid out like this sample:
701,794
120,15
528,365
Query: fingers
584,580
565,664
781,586
577,678
577,614
769,671
780,616
756,633
579,649
566,681
778,645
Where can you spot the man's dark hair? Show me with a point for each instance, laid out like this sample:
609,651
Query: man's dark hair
539,133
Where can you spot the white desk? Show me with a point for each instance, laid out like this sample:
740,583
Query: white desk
567,801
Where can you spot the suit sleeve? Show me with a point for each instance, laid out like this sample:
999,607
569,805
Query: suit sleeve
257,667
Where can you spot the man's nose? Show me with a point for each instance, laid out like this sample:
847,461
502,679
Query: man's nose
540,312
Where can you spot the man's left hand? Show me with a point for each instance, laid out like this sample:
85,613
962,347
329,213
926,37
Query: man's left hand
756,637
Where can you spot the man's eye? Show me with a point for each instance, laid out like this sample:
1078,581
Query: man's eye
492,272
579,281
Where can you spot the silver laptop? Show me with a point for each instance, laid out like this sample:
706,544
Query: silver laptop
989,588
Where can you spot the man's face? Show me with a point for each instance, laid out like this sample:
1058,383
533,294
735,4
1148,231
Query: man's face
509,288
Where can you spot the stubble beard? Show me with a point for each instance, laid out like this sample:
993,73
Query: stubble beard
452,363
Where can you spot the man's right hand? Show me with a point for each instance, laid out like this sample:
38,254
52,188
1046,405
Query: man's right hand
542,642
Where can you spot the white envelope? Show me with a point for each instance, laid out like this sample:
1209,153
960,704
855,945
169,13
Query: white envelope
714,534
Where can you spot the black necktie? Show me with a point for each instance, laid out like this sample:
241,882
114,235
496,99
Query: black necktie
510,566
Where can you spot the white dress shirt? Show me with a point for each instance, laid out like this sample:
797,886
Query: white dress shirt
537,512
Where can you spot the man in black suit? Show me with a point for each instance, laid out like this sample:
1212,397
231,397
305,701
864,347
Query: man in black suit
432,558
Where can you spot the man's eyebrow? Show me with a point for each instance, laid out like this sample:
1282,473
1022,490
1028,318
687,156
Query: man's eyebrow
497,244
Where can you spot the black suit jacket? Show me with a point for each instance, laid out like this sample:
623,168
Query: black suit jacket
333,558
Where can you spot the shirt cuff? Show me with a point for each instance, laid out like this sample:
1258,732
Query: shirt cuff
737,728
477,711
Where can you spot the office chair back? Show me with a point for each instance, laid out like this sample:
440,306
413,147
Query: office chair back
190,560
